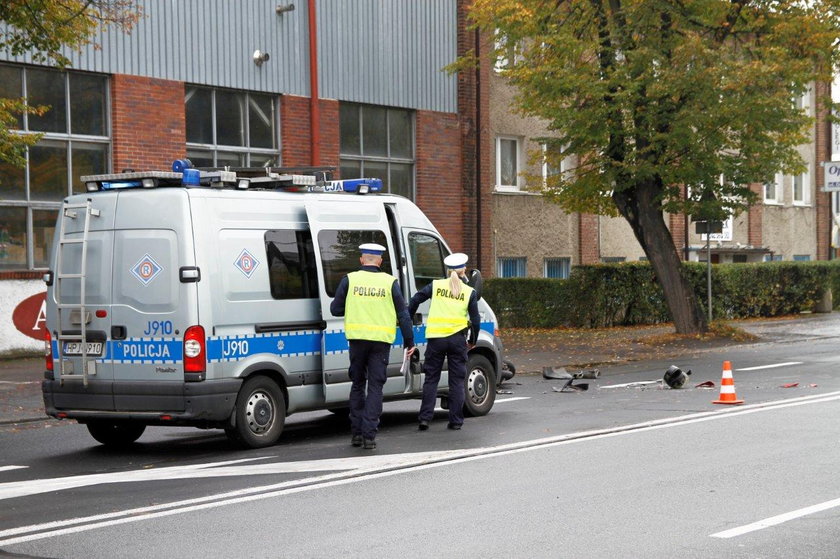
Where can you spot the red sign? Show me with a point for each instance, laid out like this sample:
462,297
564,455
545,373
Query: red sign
30,316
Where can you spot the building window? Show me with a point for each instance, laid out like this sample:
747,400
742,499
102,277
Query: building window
511,267
772,257
507,164
773,190
557,268
801,257
803,102
802,188
612,259
507,52
75,142
378,142
554,163
231,128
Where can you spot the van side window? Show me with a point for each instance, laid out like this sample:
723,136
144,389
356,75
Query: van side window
340,254
427,255
291,264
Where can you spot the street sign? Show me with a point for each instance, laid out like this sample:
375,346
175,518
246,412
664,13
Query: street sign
832,176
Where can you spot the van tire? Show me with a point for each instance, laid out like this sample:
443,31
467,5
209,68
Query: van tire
115,434
480,386
260,413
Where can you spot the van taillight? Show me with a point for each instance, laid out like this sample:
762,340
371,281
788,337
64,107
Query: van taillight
195,354
48,352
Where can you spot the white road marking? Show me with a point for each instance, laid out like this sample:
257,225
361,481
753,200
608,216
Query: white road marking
7,468
775,520
770,366
20,382
82,524
14,489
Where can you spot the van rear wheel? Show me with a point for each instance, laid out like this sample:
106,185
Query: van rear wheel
260,413
480,386
115,433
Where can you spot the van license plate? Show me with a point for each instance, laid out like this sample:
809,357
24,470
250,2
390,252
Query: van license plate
75,348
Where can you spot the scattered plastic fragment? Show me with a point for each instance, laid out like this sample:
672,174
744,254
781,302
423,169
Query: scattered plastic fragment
812,385
569,387
504,391
705,384
641,383
790,385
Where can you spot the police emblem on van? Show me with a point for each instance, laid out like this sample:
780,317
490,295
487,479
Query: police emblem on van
246,263
146,269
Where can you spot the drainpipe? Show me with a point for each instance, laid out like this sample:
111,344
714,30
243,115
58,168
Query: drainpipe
478,198
314,109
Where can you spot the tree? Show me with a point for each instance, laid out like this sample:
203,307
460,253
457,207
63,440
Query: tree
663,101
43,29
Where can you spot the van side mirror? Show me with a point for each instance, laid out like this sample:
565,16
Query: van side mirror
474,280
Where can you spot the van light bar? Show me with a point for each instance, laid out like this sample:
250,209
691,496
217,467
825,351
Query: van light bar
360,186
149,183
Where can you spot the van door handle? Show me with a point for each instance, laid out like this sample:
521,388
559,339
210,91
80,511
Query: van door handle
119,332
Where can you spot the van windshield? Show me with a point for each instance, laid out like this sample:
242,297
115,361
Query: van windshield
340,254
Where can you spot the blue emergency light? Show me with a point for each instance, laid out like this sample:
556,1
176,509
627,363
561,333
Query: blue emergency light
361,186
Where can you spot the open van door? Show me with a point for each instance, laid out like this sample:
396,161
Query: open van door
338,228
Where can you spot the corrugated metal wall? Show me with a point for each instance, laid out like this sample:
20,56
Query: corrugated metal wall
387,52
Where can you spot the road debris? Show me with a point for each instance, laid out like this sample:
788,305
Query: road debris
676,377
707,384
639,384
790,385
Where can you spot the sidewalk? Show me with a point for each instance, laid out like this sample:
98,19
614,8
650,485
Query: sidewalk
528,349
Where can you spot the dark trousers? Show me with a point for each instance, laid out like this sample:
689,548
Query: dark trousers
454,349
368,373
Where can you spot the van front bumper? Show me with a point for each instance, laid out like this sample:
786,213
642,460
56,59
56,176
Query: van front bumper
209,403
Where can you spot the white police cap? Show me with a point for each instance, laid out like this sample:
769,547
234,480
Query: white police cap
372,248
456,260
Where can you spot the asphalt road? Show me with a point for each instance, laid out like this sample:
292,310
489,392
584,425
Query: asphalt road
617,470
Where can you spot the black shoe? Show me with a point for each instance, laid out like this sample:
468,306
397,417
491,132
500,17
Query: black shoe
356,440
369,444
423,425
454,426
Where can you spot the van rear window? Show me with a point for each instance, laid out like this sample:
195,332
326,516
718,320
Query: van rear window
291,264
340,254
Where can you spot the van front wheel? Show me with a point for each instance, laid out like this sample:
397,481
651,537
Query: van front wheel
480,386
260,413
115,433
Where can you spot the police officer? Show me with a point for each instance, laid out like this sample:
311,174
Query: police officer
448,332
371,303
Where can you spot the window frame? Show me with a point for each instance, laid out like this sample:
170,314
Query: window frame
498,182
804,198
66,140
389,159
521,263
567,268
778,186
215,148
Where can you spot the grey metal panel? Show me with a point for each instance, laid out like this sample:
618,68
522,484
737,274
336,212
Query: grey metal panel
385,52
207,42
388,52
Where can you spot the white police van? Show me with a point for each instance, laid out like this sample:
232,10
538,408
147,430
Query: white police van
201,297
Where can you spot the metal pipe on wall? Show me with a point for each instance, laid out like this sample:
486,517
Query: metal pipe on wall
314,108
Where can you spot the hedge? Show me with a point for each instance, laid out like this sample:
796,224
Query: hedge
626,294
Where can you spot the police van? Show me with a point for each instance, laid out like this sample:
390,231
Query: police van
201,297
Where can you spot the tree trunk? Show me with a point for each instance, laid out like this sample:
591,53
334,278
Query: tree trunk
641,208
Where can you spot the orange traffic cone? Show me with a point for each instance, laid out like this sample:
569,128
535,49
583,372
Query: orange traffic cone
727,387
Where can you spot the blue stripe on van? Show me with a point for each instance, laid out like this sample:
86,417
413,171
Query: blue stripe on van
159,351
286,344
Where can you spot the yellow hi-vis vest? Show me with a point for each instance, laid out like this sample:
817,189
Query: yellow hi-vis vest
447,314
369,310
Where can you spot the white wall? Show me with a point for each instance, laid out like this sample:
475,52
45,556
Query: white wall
12,292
